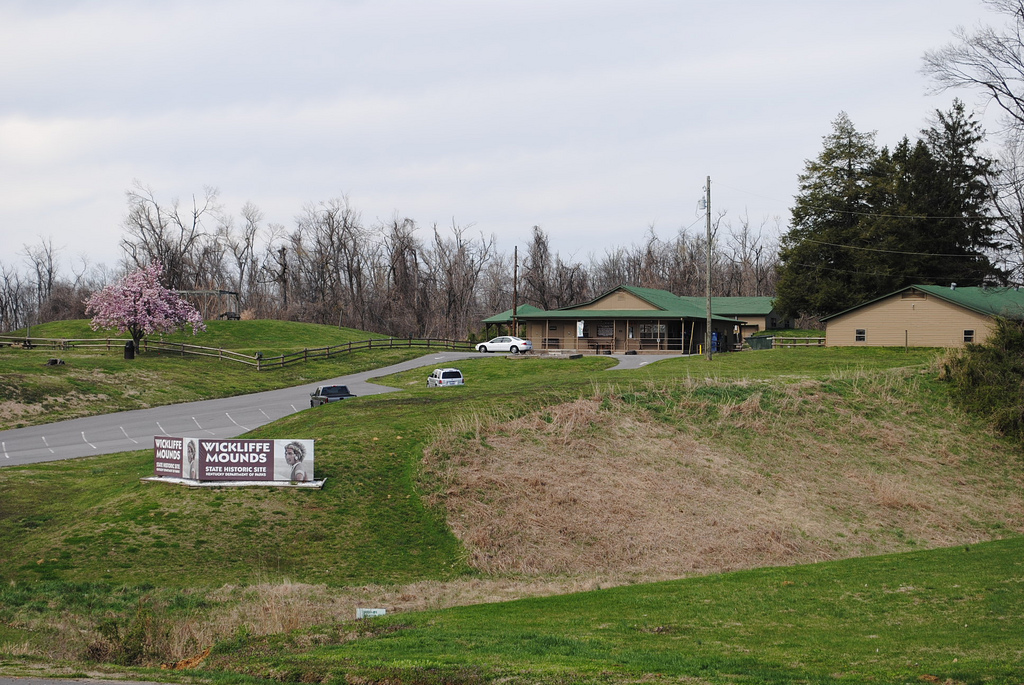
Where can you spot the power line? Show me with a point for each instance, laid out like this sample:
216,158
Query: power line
875,249
871,214
818,267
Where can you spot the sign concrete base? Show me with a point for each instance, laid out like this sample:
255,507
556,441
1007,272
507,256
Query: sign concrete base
167,480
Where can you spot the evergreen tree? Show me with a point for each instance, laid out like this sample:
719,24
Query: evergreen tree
961,222
868,222
817,273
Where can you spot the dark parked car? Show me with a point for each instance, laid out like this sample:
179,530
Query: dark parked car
329,393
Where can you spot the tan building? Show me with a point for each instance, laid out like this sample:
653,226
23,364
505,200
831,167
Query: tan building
924,316
631,319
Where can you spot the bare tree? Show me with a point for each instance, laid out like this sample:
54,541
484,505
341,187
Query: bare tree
404,307
750,260
988,59
538,270
1008,195
42,258
458,262
15,303
168,234
333,255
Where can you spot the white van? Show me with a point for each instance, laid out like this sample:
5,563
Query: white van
445,377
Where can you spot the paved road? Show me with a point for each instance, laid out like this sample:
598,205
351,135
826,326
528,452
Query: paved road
221,418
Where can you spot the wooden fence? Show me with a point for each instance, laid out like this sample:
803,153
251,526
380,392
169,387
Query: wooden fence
258,360
798,342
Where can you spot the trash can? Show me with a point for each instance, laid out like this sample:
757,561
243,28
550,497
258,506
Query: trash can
129,350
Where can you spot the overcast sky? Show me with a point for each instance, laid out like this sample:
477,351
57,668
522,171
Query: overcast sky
593,119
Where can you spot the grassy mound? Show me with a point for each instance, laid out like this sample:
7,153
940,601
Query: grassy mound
540,475
247,337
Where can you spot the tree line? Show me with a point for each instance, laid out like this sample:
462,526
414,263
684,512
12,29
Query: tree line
394,277
936,209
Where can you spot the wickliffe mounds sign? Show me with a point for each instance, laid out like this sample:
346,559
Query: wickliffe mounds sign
249,460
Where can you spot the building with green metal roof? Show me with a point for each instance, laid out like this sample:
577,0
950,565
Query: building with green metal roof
924,316
633,319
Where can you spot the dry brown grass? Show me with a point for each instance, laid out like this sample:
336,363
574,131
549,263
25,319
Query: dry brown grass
596,486
272,608
11,411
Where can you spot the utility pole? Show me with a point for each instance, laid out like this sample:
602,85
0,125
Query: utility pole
515,291
707,327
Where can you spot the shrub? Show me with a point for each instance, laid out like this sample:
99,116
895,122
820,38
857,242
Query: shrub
989,378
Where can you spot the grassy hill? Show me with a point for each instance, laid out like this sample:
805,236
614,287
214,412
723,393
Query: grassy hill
93,381
537,477
268,336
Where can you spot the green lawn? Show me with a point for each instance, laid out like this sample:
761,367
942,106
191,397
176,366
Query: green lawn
84,544
950,615
247,337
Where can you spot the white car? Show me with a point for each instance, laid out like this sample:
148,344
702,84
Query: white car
505,343
445,377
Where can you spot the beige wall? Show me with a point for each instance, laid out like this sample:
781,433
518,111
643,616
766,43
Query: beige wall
920,321
619,299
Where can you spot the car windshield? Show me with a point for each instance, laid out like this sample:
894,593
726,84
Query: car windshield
335,390
451,374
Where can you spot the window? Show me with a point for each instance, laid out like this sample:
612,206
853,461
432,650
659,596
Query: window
861,335
968,336
605,329
652,330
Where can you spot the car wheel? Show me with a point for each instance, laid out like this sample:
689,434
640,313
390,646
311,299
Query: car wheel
514,349
312,403
482,348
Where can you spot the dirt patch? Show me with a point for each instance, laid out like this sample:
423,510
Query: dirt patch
11,412
598,487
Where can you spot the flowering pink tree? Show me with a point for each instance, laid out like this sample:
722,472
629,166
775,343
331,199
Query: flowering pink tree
139,305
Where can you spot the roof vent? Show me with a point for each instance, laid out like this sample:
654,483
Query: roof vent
952,286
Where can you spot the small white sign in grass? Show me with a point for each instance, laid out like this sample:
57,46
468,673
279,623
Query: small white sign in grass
370,613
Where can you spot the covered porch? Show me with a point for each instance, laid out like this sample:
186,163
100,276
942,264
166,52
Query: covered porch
620,336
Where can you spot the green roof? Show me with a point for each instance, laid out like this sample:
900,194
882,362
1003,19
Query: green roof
742,306
1006,302
506,316
668,306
